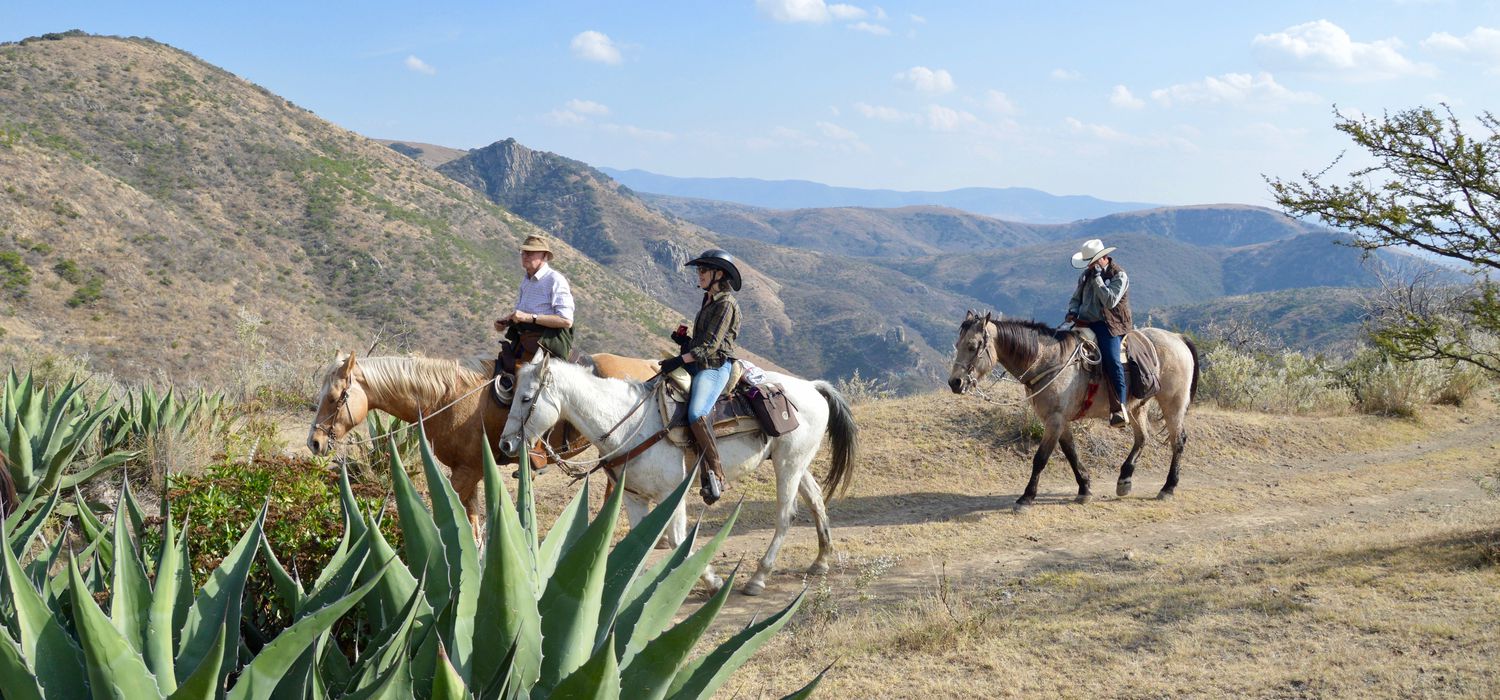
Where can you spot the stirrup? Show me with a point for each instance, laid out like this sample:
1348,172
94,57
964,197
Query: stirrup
711,490
504,387
1119,419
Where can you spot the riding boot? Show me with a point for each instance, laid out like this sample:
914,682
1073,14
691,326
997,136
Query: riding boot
712,477
1118,418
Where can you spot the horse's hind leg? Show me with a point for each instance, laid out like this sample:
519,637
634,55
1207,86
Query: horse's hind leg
465,483
1081,473
788,477
1127,470
1178,434
812,497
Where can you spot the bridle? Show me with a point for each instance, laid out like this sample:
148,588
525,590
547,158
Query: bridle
326,425
989,348
544,375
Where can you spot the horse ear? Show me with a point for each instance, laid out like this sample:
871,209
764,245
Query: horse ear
989,316
969,316
348,369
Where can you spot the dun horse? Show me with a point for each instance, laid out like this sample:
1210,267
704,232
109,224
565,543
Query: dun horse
410,388
552,391
1049,364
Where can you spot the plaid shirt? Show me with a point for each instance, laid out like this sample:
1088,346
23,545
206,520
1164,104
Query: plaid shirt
714,329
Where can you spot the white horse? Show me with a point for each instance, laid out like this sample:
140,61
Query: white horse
550,390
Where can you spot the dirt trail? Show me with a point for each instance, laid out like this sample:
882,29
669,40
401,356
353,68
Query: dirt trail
978,539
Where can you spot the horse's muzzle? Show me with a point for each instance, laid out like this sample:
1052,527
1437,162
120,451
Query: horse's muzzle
510,446
316,444
956,384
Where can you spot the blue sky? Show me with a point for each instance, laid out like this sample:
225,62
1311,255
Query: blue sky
1169,102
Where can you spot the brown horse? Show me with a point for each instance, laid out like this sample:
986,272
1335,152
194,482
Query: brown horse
1051,365
413,387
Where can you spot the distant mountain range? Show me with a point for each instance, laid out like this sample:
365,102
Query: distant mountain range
1008,203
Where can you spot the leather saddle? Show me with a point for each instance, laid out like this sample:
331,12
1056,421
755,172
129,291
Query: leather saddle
731,414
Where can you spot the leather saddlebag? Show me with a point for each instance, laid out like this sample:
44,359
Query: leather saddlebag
776,413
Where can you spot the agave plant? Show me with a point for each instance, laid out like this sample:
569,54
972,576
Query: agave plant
43,432
526,616
145,414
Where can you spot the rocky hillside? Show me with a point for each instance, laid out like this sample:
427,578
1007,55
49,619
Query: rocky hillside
817,314
161,214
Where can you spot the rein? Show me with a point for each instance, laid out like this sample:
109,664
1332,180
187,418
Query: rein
343,402
993,351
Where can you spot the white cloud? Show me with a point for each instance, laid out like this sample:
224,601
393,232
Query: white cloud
924,79
589,107
566,117
836,132
1098,131
880,14
1236,89
940,118
1065,74
868,28
791,11
1324,48
597,47
1122,98
1482,45
420,66
843,12
918,19
638,133
885,114
1179,138
999,103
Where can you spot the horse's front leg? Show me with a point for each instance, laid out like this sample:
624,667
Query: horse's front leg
465,484
1039,461
1080,472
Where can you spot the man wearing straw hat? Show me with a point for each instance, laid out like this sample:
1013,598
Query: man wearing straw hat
543,317
1101,301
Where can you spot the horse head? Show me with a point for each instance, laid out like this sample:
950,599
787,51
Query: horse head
973,355
536,407
342,404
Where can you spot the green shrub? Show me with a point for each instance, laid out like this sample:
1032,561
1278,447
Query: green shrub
68,270
1382,386
87,293
15,274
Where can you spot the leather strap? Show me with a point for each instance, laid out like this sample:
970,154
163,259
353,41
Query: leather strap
1088,401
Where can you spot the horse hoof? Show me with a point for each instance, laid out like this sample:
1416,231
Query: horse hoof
664,544
1083,498
1122,489
1164,496
818,568
1020,508
754,588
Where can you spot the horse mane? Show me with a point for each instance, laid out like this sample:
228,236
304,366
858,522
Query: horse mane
1017,338
429,379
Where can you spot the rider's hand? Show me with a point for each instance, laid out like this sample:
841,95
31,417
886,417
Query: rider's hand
501,323
670,364
1072,318
1092,272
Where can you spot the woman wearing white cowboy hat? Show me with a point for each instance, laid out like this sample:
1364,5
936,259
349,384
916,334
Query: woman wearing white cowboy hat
1101,301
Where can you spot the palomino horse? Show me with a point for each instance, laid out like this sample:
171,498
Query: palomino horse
1049,364
617,416
410,388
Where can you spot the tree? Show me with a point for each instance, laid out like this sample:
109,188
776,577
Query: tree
1433,188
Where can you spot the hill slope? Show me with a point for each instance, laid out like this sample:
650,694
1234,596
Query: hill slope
157,209
1011,203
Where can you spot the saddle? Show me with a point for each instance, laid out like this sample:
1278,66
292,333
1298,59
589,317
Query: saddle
732,413
1138,355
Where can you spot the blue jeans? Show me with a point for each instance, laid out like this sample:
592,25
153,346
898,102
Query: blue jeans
1109,357
709,383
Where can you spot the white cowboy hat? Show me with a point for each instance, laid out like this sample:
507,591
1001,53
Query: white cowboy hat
1092,250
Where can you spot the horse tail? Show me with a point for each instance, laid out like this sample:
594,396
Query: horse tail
1192,350
845,440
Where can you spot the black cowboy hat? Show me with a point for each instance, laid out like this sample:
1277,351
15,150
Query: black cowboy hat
718,260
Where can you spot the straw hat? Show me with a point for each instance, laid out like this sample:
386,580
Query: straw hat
536,244
1092,250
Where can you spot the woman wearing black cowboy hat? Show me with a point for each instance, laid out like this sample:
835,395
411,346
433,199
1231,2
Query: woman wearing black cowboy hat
706,353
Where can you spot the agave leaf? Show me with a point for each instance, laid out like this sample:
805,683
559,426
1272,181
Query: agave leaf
162,616
425,556
806,691
218,603
343,579
596,679
20,454
570,605
130,599
333,669
258,680
17,680
526,501
381,650
288,589
446,683
704,675
504,676
93,527
570,526
106,462
658,609
649,674
396,586
37,570
507,598
57,662
203,683
22,532
394,683
641,590
629,554
457,537
114,668
133,509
